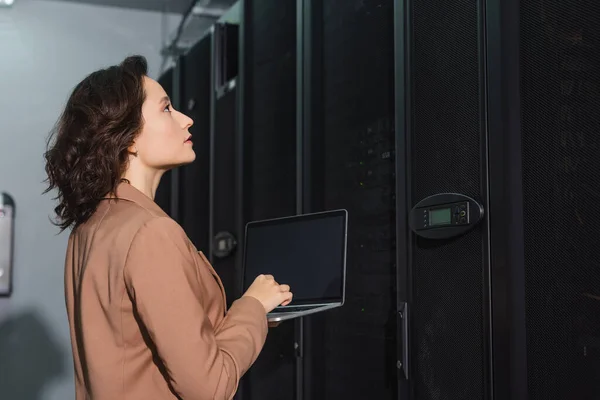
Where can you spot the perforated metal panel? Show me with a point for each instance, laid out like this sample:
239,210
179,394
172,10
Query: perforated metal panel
353,348
273,107
560,89
195,102
270,162
224,191
447,336
224,141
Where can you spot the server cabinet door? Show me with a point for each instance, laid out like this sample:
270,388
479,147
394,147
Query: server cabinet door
268,84
224,230
559,53
446,153
350,128
194,178
224,235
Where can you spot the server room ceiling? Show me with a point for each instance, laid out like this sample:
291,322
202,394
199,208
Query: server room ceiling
171,6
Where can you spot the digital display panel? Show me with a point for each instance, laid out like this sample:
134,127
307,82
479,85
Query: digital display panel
440,216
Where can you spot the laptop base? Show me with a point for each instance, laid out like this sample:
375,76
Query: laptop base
287,315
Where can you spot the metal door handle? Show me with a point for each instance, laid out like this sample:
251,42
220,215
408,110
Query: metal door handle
403,322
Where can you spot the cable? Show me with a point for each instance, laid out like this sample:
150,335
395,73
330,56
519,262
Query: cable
184,18
169,50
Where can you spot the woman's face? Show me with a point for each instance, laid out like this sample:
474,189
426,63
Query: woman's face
164,141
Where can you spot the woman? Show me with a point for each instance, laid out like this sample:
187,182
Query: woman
146,310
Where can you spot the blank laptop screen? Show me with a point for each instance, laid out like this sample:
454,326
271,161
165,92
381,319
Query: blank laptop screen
306,252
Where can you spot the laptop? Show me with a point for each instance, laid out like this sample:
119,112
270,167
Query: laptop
307,252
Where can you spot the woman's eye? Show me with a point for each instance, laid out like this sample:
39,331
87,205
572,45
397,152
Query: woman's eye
167,108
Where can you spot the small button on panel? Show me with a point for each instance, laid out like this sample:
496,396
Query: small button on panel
461,213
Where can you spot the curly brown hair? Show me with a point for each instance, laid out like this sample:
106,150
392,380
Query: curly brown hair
88,148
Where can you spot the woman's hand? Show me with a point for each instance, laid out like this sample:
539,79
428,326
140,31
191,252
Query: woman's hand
270,293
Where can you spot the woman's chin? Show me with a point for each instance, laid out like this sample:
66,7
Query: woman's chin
190,157
184,159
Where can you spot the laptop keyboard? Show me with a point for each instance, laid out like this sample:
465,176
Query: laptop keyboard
292,309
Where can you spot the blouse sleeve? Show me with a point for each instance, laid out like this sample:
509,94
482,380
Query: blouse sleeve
202,361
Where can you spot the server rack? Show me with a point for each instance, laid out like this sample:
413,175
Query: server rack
182,191
349,158
544,102
448,280
266,154
223,230
194,178
506,112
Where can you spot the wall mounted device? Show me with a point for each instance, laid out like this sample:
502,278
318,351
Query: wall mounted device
223,244
445,215
7,218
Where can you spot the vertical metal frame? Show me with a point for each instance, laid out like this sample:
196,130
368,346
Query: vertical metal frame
309,157
403,129
307,55
302,179
302,97
484,186
244,118
312,103
505,207
242,178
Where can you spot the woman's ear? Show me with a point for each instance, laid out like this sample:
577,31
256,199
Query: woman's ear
133,150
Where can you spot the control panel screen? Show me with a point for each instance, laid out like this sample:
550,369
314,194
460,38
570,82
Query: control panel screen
440,216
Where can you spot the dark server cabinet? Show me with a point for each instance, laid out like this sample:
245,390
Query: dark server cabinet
194,178
224,231
349,162
268,160
544,101
184,192
441,123
500,101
